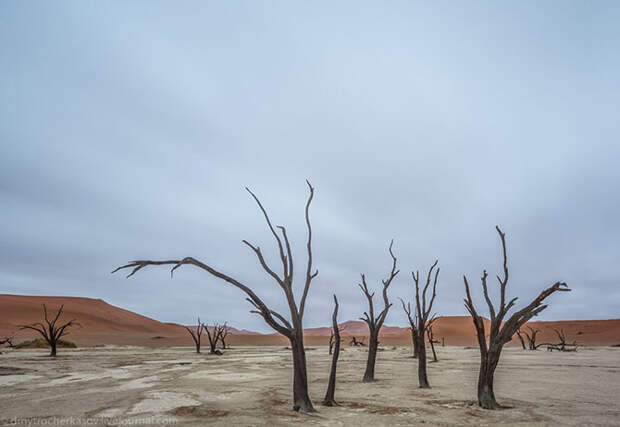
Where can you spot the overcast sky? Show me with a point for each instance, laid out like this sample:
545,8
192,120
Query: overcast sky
129,130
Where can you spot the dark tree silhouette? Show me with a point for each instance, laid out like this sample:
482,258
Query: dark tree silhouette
376,322
292,330
412,327
331,387
531,338
422,318
196,334
355,343
52,330
223,335
501,331
431,338
214,336
562,345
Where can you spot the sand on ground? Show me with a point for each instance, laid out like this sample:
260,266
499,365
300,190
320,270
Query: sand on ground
116,385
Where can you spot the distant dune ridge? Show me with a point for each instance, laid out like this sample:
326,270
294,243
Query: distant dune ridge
102,323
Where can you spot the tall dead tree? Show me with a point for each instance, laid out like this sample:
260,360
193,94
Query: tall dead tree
331,386
423,311
223,335
501,331
52,330
293,329
412,327
213,336
196,334
376,322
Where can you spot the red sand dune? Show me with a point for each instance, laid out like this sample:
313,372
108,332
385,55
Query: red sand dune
102,323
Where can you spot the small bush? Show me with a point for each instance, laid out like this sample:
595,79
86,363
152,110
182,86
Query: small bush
41,343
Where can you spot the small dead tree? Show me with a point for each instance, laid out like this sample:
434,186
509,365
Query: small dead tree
501,331
562,345
213,336
331,387
376,322
7,340
412,327
531,338
431,339
223,335
196,334
423,311
293,329
52,330
355,343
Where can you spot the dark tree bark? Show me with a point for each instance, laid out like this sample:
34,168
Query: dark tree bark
562,345
501,331
375,323
331,386
196,334
292,329
52,331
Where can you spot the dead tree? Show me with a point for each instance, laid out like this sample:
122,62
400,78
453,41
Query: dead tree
531,338
52,330
431,339
213,336
521,339
355,343
223,335
332,337
7,340
423,311
293,329
375,323
331,387
412,327
562,345
196,334
501,331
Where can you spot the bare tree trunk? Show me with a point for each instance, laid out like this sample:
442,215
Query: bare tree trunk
53,349
488,363
422,377
415,343
331,386
301,399
373,345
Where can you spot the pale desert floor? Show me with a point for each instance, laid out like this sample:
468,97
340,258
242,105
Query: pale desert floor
252,385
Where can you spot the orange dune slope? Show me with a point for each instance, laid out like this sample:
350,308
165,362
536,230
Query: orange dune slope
102,323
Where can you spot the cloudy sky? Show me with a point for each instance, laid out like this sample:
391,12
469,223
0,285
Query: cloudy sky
129,130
